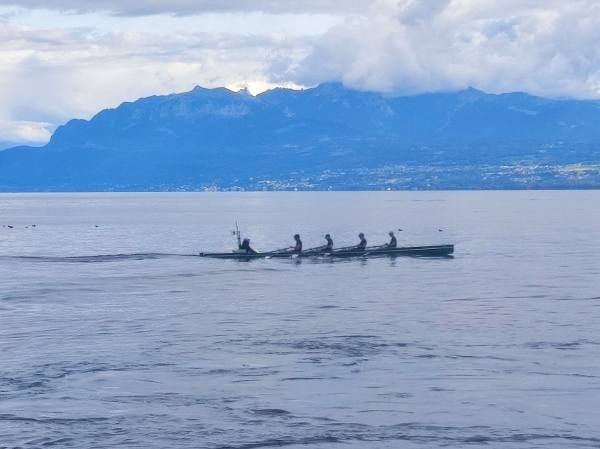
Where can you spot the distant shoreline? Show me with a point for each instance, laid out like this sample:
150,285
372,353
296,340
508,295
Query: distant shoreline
32,192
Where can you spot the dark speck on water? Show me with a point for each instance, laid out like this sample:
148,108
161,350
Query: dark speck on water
113,333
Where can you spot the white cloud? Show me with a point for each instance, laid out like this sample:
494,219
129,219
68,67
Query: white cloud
251,22
24,132
51,75
186,7
544,47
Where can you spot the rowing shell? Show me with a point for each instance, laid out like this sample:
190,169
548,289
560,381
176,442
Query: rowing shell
420,251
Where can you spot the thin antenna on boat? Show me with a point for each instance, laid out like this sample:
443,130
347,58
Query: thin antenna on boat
237,232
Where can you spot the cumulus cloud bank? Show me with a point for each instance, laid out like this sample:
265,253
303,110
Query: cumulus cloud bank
50,73
48,76
544,47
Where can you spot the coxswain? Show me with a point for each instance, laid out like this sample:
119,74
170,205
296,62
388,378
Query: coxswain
298,247
393,243
329,247
246,246
363,241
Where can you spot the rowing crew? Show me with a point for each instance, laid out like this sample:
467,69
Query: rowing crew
328,248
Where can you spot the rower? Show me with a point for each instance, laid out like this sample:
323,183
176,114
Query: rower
363,241
329,247
246,246
298,247
393,243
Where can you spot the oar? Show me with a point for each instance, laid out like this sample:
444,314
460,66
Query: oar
345,248
279,251
372,249
316,248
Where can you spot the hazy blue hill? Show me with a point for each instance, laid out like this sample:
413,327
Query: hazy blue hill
215,137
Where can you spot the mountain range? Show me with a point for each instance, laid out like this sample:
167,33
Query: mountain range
324,137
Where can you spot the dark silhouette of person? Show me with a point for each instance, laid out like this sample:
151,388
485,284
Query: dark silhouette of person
246,246
363,241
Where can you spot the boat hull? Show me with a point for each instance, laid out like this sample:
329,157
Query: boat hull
415,251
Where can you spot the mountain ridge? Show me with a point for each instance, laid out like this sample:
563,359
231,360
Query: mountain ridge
224,139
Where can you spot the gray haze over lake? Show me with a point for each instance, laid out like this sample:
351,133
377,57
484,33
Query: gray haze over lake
113,333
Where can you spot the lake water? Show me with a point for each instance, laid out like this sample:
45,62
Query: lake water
113,333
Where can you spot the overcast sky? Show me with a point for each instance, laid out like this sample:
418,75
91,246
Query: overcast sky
63,59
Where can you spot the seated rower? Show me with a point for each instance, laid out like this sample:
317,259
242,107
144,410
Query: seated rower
246,246
363,242
393,243
298,247
329,247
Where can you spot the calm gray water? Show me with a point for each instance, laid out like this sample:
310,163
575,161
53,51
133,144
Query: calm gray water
113,333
